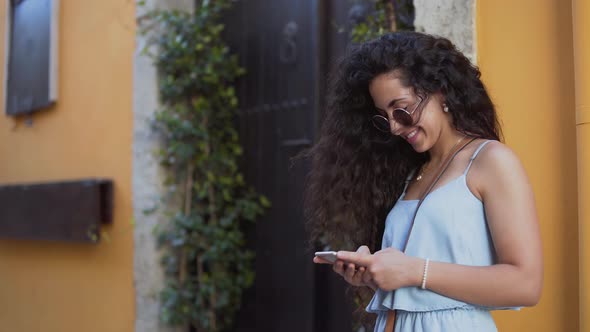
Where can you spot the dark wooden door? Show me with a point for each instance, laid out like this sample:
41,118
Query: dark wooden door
285,47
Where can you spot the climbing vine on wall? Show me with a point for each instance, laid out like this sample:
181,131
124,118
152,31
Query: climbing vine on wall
382,16
206,262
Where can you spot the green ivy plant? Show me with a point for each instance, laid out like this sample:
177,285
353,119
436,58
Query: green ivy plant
375,24
385,16
206,261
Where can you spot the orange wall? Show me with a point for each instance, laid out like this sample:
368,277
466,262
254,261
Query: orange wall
525,52
59,287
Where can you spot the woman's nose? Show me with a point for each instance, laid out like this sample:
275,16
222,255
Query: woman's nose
393,127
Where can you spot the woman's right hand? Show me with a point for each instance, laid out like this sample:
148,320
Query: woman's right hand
353,274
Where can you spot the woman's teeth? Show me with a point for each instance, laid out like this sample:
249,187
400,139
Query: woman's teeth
412,134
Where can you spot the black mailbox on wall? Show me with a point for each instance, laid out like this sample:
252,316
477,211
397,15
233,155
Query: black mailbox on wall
60,211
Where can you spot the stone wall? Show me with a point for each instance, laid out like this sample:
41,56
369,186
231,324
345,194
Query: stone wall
453,19
148,178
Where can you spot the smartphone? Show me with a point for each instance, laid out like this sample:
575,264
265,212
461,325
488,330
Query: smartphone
329,256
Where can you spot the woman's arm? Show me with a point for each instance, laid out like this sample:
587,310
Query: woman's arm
516,279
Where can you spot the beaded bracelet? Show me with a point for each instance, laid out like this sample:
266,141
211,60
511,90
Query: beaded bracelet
425,274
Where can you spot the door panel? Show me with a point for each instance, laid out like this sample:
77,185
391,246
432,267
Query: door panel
285,47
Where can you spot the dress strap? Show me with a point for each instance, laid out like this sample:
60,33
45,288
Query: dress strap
481,146
408,179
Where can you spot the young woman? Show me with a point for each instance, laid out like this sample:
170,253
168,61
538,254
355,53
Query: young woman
408,116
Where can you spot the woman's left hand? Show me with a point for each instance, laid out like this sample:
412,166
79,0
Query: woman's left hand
389,268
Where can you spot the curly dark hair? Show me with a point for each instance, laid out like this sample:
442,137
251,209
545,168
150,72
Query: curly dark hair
356,177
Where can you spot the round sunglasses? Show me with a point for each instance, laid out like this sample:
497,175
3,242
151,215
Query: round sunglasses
400,115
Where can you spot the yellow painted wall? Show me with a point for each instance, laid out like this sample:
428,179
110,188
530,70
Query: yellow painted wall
525,52
59,287
581,26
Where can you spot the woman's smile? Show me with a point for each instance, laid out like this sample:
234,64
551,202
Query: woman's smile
411,136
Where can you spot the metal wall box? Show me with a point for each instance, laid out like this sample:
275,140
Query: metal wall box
31,55
69,211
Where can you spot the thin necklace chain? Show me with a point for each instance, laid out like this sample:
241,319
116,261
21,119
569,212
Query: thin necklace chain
424,169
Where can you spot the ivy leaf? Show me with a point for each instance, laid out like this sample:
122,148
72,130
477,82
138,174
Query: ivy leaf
264,201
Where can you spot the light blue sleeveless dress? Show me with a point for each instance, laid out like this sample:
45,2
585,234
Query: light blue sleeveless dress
450,227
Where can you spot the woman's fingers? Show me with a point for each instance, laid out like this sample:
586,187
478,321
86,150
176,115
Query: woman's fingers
346,270
363,250
353,275
349,272
338,267
357,279
319,260
356,276
367,278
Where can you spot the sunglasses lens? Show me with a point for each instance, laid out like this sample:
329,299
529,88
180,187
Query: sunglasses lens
402,117
381,123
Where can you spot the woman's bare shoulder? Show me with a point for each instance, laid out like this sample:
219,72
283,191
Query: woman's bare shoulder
497,156
496,165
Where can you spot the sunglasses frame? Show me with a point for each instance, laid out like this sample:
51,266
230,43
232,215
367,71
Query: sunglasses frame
379,117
